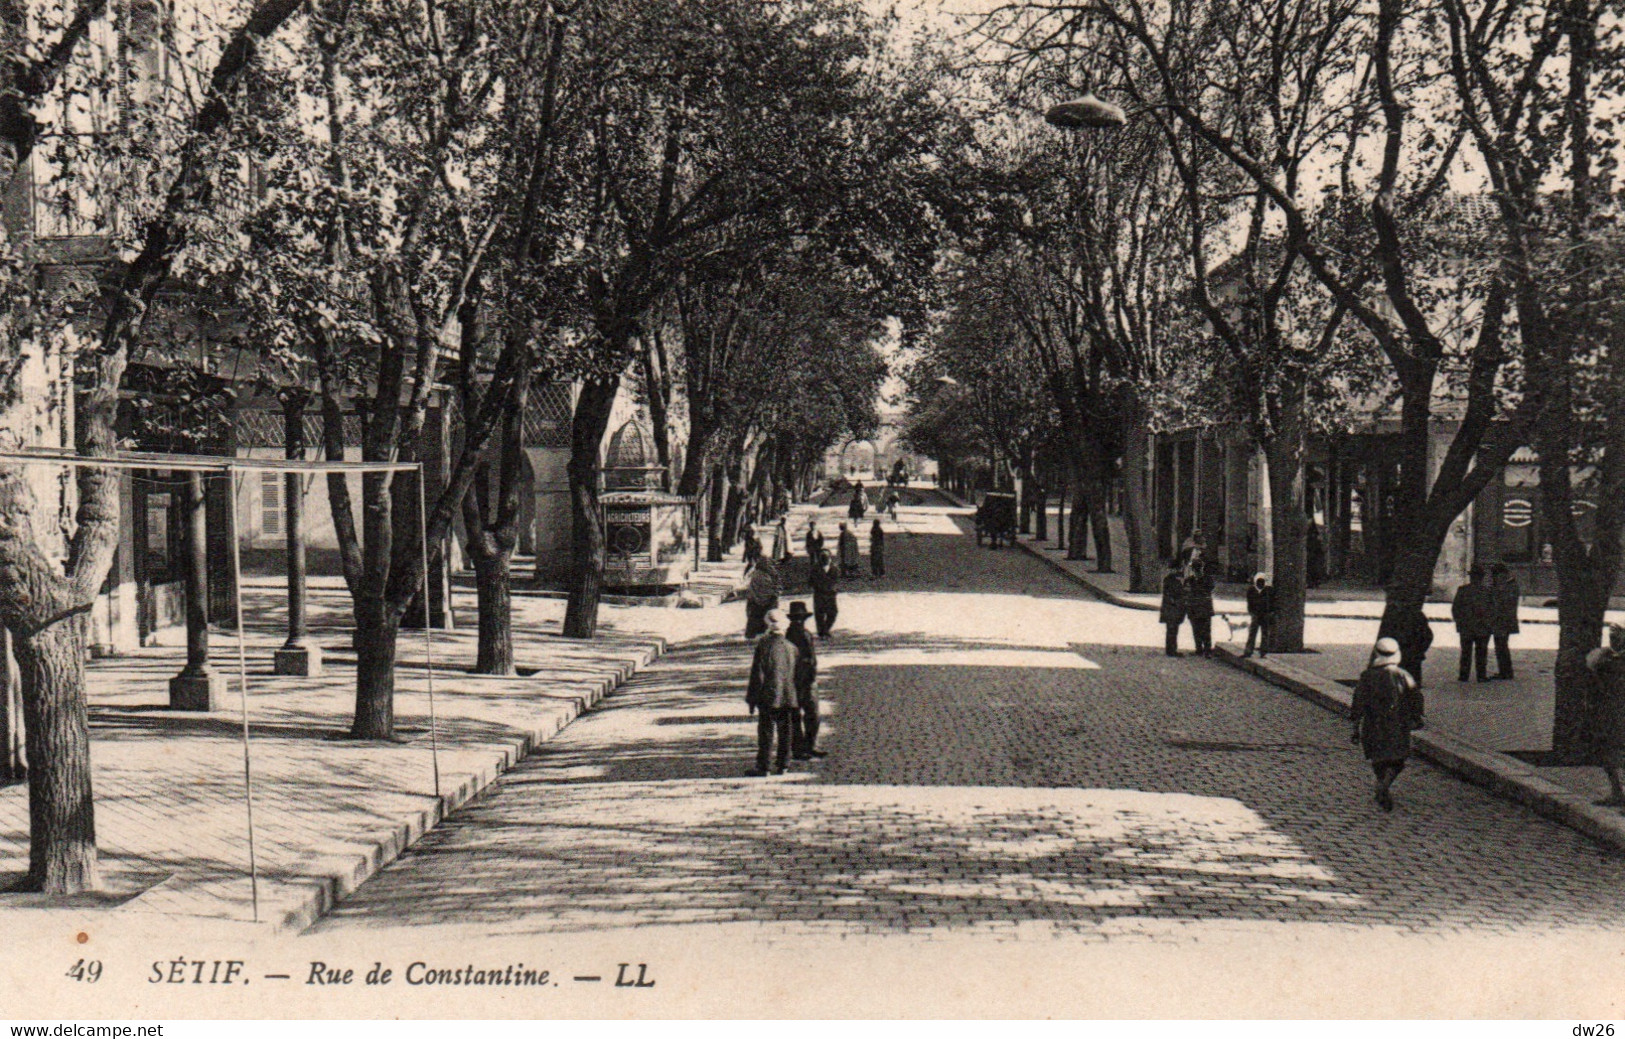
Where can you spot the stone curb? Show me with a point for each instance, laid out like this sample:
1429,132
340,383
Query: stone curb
325,892
1501,774
1089,586
671,600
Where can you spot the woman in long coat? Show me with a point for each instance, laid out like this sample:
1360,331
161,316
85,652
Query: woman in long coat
851,558
1607,664
1386,707
877,549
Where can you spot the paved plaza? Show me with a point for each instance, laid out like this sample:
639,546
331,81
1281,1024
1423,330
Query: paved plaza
1008,757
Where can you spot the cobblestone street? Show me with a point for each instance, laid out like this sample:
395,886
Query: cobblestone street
1006,758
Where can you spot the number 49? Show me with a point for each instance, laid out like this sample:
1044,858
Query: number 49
86,970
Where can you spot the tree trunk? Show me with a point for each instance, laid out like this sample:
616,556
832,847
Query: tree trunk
377,630
1289,530
1103,530
375,623
733,507
61,812
1061,498
587,430
492,582
1077,539
1041,512
1143,569
716,548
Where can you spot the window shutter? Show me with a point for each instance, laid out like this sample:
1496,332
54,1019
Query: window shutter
273,513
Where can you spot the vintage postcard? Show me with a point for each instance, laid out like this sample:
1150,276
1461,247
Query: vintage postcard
811,508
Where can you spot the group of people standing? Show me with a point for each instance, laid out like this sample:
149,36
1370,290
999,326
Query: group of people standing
1483,611
1187,595
783,692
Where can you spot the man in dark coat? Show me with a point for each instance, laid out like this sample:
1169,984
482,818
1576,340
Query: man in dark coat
1199,605
824,579
815,540
1607,664
1471,612
753,548
877,549
761,595
1261,613
1386,707
772,692
804,730
1503,616
1408,626
1172,614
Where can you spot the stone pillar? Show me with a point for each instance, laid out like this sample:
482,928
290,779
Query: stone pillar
197,687
298,656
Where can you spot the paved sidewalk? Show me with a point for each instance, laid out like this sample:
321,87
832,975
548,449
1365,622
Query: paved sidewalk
328,812
1472,728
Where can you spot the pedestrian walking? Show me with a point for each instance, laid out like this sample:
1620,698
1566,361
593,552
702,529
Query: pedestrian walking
1387,706
761,597
814,540
771,695
781,541
1607,666
890,507
1172,614
1471,610
753,548
859,505
804,731
851,558
1199,605
877,549
1409,626
825,604
1261,612
1503,616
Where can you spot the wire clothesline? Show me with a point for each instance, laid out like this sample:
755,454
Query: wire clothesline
233,467
196,463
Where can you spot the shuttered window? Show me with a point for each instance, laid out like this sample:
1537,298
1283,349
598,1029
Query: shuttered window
273,509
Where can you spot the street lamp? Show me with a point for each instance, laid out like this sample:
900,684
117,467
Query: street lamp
1086,112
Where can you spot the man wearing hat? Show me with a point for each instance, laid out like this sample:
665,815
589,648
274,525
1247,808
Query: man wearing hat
772,691
1172,613
804,726
1386,707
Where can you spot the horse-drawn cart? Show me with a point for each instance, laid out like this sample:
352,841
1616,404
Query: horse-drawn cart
996,519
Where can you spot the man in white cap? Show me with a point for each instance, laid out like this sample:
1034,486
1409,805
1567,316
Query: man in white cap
1261,610
1387,706
772,691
